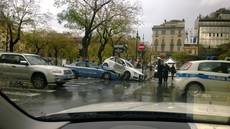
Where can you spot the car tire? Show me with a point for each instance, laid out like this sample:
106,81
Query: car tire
194,89
39,81
60,84
106,76
106,65
126,76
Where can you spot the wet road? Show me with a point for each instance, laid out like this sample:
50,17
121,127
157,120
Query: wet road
85,91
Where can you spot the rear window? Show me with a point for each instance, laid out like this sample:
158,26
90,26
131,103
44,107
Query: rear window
186,66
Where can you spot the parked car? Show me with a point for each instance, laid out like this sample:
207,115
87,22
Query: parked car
124,68
196,77
89,69
33,68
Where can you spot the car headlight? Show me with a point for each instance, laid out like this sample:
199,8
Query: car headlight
57,72
135,73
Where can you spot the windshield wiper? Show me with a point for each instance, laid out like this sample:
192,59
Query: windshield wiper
135,116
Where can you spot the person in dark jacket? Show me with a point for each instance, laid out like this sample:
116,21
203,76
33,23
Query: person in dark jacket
173,71
166,72
159,70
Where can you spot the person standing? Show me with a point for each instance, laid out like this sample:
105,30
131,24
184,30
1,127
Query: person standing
165,72
173,71
159,70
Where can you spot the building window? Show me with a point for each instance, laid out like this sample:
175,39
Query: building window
171,45
157,33
179,33
213,34
163,45
172,32
163,32
178,44
221,35
210,34
217,35
156,44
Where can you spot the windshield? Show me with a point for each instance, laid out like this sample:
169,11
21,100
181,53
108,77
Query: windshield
36,60
129,64
117,55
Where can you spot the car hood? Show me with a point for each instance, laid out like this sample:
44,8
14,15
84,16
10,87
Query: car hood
185,108
135,70
50,67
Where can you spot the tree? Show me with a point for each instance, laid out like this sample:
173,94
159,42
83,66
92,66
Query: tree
36,40
82,14
15,14
122,16
61,45
223,51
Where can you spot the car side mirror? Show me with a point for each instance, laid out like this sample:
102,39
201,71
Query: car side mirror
24,62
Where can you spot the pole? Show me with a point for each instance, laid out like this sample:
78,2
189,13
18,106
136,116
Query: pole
137,39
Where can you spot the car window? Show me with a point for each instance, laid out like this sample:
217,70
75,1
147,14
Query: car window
129,64
186,66
226,68
11,59
36,60
211,67
92,65
81,64
119,61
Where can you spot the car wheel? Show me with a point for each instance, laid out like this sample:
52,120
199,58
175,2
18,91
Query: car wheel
194,89
60,84
106,76
126,76
106,65
39,81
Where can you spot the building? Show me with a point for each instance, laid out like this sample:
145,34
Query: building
190,45
169,37
214,29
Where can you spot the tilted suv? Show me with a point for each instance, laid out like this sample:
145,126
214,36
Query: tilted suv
33,68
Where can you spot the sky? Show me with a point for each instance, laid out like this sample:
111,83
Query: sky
154,12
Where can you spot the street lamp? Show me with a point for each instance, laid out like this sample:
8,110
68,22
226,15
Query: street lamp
137,40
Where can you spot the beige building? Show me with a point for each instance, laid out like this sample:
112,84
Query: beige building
168,37
214,29
191,49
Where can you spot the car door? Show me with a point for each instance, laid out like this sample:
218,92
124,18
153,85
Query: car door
93,70
14,69
119,66
80,69
226,74
212,76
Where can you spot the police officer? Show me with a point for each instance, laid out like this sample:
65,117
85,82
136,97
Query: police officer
160,70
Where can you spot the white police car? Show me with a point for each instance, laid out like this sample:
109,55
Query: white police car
196,77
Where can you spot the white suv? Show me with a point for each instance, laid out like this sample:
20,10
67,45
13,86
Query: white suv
196,77
34,68
124,68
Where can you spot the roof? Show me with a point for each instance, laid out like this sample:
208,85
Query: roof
201,61
16,53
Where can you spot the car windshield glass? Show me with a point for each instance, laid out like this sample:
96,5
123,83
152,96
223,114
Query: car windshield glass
129,64
36,60
164,56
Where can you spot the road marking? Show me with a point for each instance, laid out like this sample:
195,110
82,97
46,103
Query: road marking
32,90
21,94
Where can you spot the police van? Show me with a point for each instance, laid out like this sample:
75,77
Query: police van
196,77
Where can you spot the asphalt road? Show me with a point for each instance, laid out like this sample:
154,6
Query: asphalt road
85,91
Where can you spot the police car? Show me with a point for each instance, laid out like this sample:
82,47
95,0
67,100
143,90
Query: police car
196,77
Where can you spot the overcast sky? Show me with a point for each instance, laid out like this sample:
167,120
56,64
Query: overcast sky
155,11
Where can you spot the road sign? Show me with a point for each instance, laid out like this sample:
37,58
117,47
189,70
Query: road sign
141,47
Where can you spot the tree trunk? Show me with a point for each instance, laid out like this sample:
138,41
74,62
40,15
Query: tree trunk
11,47
99,53
56,56
85,45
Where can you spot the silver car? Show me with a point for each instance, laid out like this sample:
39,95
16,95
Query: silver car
33,68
